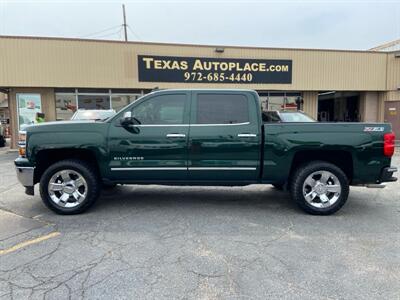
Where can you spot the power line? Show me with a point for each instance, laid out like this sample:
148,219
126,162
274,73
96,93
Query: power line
118,32
121,35
101,31
122,31
134,33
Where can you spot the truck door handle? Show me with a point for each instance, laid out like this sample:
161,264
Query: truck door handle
176,135
246,135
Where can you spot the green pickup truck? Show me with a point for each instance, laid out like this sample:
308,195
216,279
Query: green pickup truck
203,137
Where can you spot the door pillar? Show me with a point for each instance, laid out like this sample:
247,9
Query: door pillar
310,105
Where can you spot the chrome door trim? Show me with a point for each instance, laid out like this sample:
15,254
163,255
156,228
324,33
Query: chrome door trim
197,125
247,135
184,169
176,135
222,168
233,124
160,125
150,169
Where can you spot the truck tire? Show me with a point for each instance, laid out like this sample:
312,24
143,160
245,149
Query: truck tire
69,187
109,186
319,188
278,186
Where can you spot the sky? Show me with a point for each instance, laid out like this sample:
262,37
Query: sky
328,24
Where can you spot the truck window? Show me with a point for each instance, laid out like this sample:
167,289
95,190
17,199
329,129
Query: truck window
160,110
222,109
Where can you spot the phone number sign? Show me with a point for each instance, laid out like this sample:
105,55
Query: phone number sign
213,70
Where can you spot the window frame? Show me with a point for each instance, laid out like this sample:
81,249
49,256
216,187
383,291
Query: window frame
93,94
65,94
194,112
130,107
122,95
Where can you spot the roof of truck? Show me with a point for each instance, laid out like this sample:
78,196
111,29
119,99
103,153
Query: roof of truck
205,89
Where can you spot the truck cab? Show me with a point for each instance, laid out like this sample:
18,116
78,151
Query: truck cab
193,136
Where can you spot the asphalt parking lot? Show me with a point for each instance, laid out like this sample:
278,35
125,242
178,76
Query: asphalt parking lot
153,242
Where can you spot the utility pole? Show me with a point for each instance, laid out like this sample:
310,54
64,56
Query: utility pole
124,24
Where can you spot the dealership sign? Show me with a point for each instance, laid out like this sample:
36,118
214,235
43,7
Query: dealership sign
213,70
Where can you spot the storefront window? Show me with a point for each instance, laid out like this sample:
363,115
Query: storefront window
276,101
93,101
264,103
280,100
290,103
65,106
29,109
69,100
120,101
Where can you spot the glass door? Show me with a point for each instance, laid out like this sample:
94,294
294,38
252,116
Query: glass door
29,110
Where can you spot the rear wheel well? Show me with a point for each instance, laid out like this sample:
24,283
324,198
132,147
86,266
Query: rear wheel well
46,158
339,158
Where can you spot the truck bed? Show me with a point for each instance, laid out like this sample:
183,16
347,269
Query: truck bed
359,145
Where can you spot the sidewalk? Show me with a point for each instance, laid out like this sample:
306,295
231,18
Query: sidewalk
7,148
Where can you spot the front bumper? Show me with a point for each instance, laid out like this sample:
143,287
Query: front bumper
25,175
387,174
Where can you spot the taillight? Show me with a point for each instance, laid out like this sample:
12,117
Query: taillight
388,144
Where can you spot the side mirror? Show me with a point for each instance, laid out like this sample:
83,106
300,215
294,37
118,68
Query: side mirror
127,120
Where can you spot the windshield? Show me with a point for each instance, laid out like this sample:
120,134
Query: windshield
92,114
295,117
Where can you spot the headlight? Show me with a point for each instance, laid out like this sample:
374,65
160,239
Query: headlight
22,143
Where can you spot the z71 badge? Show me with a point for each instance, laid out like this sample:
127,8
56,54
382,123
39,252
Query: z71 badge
373,129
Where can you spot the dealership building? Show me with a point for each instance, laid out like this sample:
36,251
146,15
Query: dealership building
53,77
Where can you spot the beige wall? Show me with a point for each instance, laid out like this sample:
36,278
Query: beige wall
369,107
382,97
393,72
77,63
310,105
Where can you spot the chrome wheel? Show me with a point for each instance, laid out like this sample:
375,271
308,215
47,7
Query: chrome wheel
67,188
322,189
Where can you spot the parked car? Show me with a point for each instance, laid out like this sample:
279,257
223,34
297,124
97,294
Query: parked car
92,114
203,137
274,116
